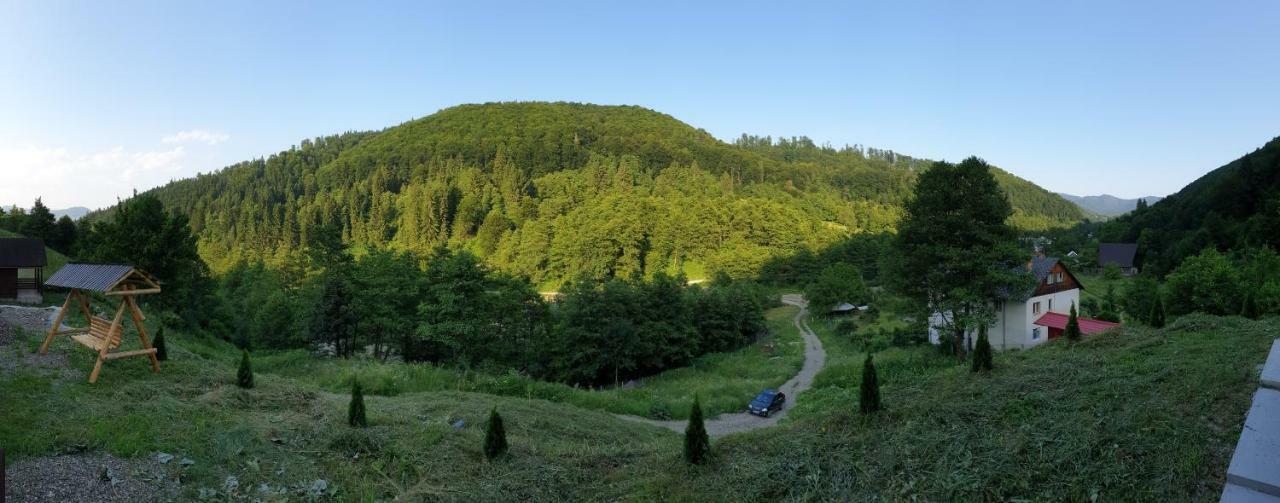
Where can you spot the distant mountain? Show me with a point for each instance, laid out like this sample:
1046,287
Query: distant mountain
1233,206
1107,204
558,190
75,212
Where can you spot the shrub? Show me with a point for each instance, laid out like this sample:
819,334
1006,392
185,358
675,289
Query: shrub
869,399
161,353
244,376
1111,272
1073,325
1250,309
1156,320
982,359
697,445
495,437
355,412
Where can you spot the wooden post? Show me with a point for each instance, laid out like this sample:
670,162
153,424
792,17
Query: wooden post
106,343
136,313
57,322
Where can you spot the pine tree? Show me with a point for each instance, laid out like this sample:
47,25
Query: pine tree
495,437
1250,309
1073,325
161,353
244,377
697,445
355,412
869,399
1156,320
982,351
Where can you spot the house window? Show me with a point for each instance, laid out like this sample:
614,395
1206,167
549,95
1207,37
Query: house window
1051,305
1035,308
1035,333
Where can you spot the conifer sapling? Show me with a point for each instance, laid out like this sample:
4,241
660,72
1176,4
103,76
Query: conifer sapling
495,437
1250,309
244,377
982,359
1157,314
158,344
697,445
355,411
869,398
1073,325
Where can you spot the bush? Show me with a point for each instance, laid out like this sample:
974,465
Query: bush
244,376
1111,272
982,358
161,353
869,398
355,412
495,436
697,445
1250,309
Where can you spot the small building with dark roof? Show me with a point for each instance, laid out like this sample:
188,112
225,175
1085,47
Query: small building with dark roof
1120,254
22,262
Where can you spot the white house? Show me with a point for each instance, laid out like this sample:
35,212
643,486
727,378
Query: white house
1035,316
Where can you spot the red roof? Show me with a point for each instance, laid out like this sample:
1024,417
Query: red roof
1087,326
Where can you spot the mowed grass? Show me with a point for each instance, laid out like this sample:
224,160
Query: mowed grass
287,433
725,382
1132,415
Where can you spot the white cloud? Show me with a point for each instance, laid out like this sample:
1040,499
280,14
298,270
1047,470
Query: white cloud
197,135
96,179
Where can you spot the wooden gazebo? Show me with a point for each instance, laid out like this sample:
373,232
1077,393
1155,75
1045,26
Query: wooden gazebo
111,280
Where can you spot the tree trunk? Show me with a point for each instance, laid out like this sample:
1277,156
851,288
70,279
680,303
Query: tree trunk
957,342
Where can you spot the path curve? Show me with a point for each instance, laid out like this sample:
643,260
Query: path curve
734,422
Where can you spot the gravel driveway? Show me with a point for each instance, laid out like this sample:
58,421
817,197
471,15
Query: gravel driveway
814,358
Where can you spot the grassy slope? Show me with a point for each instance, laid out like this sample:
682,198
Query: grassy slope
1134,415
724,381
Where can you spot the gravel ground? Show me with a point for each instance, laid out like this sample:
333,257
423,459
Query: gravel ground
814,358
90,477
15,351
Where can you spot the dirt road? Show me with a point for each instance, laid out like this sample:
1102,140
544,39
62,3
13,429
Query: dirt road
814,358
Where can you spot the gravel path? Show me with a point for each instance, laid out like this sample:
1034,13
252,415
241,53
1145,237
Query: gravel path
814,358
91,477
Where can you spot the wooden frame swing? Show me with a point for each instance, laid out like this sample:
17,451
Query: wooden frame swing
103,336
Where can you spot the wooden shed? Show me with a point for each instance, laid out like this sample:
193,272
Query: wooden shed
22,262
104,336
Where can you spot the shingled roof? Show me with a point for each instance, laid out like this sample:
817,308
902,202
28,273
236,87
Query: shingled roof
94,277
1120,254
22,252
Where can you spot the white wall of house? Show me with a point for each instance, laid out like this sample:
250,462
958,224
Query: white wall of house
1014,327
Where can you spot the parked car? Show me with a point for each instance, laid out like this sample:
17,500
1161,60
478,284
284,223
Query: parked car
767,402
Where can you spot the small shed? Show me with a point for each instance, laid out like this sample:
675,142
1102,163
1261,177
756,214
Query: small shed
22,262
104,336
1120,254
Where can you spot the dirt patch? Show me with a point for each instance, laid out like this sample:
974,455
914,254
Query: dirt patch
90,477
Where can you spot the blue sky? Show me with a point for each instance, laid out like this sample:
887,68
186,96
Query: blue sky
1127,98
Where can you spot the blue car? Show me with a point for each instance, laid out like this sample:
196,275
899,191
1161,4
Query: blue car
767,402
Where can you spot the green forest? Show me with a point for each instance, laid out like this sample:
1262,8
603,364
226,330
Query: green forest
1236,206
555,191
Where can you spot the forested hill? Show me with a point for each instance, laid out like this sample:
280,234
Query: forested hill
1233,206
553,190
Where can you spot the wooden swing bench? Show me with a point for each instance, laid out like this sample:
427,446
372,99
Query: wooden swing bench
103,336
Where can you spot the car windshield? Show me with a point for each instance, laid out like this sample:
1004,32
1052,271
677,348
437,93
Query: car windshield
765,397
